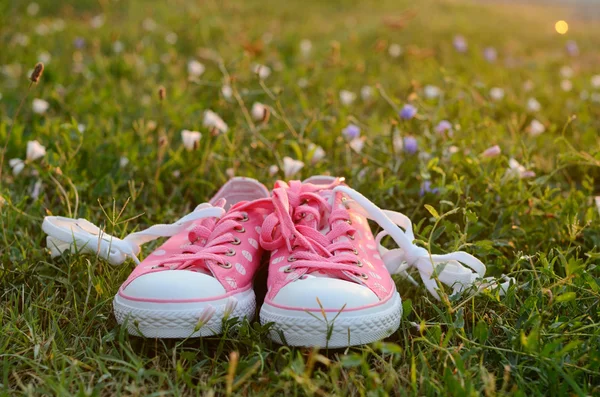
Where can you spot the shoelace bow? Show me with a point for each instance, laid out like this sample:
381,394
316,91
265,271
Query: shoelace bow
298,218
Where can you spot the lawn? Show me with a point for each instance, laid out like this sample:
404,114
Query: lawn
114,154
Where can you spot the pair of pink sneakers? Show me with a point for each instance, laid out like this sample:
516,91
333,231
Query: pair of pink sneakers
328,283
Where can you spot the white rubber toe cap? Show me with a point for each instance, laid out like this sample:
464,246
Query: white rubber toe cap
332,293
174,284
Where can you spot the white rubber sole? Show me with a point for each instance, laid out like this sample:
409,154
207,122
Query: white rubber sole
182,320
349,328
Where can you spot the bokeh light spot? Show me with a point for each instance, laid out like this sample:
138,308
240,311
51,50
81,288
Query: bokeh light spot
561,27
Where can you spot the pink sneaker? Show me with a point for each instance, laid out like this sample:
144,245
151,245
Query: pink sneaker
329,283
198,277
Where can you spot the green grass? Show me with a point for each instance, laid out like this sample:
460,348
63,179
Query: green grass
57,332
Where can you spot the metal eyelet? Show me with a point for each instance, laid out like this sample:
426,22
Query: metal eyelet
226,265
291,259
358,263
303,215
230,252
288,270
355,251
348,221
236,241
345,202
240,229
364,276
244,217
350,236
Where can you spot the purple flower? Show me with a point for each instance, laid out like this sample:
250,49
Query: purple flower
443,126
460,43
410,145
79,42
490,54
408,112
352,131
426,188
572,48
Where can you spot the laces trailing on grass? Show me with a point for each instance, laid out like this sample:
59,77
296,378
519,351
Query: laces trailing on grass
310,227
459,270
80,235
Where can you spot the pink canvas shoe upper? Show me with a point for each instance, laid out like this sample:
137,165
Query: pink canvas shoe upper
314,236
225,249
212,252
323,249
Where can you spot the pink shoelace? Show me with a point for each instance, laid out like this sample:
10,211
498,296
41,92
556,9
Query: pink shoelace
298,220
209,239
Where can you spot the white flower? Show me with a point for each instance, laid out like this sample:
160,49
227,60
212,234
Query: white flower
357,144
347,97
36,190
259,111
261,70
17,166
176,173
492,151
195,68
533,105
516,170
566,85
149,24
81,128
45,57
33,9
227,91
596,81
97,21
497,93
597,200
40,106
566,72
191,139
317,153
171,38
536,128
273,170
291,166
453,149
230,172
212,120
595,97
58,25
42,29
302,82
395,50
432,91
366,92
21,39
305,47
35,150
118,47
123,161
